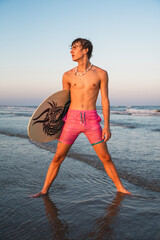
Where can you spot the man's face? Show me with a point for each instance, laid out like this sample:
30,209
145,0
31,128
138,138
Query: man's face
77,52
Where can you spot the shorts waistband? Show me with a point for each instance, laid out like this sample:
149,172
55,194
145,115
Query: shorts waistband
82,111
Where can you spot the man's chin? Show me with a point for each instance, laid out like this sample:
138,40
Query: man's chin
74,60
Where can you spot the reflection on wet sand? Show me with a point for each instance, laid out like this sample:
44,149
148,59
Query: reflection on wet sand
104,225
58,228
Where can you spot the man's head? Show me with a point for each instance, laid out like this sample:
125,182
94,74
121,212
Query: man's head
84,44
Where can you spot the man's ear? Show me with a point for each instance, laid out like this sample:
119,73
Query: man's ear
85,50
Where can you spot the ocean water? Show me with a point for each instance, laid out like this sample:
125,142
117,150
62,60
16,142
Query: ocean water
83,202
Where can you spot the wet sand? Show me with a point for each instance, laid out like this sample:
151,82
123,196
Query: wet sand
82,202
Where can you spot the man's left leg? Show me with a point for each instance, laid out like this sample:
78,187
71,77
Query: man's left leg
103,154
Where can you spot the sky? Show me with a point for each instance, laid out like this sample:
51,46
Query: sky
35,38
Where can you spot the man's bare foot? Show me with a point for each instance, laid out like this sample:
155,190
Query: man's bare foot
125,191
40,194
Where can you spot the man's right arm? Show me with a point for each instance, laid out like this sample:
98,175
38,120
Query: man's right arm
65,81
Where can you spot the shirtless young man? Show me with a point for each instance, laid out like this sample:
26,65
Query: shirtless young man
84,83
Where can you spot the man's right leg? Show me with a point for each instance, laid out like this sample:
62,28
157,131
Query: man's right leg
61,152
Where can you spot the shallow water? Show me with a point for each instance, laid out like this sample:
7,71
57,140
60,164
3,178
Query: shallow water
83,202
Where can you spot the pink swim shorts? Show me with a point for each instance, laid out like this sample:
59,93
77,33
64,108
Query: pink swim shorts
77,122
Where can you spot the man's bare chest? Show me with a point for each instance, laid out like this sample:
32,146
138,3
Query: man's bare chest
84,82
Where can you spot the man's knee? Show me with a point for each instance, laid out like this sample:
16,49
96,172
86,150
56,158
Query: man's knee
105,158
58,158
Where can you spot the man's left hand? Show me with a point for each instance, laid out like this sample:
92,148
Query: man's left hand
106,133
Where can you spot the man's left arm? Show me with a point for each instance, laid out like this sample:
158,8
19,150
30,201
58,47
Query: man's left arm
106,134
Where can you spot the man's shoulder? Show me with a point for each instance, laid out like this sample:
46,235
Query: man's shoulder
67,76
101,72
69,72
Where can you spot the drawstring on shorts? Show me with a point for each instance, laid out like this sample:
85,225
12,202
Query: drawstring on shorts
82,120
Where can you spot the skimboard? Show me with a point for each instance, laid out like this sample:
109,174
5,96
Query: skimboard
46,122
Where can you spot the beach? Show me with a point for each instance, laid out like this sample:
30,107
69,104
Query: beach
83,202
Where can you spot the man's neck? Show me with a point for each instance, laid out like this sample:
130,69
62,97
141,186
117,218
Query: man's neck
83,65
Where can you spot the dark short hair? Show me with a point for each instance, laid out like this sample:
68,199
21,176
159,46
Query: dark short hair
85,44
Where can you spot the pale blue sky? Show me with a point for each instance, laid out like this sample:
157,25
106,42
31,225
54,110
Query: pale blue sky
34,47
